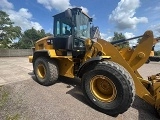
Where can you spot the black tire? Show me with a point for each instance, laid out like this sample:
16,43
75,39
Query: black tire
122,83
158,112
49,73
148,61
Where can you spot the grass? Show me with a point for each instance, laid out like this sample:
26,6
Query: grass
4,95
13,117
4,99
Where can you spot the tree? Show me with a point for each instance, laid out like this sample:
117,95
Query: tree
29,37
8,32
119,36
157,53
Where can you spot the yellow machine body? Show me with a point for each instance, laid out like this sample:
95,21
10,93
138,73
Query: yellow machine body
99,50
130,59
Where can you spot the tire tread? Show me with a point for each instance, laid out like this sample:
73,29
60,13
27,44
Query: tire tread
128,83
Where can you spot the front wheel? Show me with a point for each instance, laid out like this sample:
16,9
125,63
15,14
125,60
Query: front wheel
109,88
46,71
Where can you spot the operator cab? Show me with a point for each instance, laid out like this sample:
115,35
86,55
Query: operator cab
71,29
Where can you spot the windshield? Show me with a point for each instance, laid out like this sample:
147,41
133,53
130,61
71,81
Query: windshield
82,28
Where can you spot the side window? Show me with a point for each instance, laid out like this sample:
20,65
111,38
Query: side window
66,29
83,29
58,28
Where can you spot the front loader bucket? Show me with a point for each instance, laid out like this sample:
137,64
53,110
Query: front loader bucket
155,80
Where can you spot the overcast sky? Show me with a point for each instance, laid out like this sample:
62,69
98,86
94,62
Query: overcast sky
131,17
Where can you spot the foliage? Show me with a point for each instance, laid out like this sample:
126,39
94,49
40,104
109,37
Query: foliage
157,53
3,97
8,32
4,100
29,37
13,117
119,36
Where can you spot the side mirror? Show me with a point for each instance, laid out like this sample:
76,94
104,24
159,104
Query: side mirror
90,19
68,13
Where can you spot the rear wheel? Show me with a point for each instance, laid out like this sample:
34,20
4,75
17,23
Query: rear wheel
46,71
109,88
148,61
158,111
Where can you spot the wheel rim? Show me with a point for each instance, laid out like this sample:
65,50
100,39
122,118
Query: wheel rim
103,88
41,71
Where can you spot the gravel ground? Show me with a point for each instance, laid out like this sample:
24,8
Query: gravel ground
27,100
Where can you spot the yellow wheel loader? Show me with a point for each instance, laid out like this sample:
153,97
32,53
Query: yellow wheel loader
109,77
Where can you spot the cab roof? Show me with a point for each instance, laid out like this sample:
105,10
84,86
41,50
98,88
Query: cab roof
72,9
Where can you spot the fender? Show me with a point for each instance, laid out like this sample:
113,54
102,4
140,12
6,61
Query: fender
44,53
91,61
39,53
